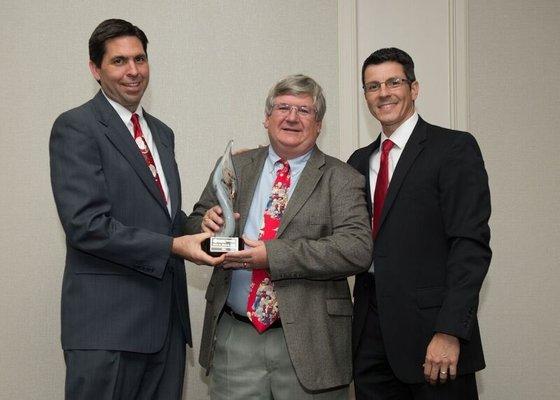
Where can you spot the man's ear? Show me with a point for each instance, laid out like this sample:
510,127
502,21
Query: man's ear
94,71
414,89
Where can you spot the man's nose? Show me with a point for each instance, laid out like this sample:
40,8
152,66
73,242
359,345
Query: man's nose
383,90
292,115
132,68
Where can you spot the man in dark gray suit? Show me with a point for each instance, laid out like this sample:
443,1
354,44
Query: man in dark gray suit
304,218
125,316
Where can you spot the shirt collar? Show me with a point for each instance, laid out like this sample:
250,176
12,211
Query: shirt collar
403,132
296,164
123,112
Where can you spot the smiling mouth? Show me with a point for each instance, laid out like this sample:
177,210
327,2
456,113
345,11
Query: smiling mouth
386,105
132,84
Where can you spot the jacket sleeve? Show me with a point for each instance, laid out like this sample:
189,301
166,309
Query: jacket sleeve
465,207
344,251
207,200
80,192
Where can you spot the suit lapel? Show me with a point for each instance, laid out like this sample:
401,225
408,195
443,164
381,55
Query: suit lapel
413,148
248,171
117,132
363,167
306,185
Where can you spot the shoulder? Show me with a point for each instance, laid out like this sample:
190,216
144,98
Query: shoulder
446,136
340,171
244,156
77,114
359,155
450,143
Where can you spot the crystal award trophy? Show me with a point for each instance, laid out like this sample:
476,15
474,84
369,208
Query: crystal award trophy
224,182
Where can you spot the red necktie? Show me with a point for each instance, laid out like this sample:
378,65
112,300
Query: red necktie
262,306
146,153
381,185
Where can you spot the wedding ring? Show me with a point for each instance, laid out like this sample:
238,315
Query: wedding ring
443,373
244,264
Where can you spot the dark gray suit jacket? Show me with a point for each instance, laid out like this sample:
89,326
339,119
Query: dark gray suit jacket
324,237
120,274
432,251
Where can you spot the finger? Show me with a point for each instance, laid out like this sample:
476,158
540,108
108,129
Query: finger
250,242
215,218
427,370
236,215
200,237
203,258
235,265
216,209
213,215
239,256
443,373
210,224
434,373
452,371
215,261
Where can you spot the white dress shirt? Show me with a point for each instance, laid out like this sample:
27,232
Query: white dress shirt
399,138
125,115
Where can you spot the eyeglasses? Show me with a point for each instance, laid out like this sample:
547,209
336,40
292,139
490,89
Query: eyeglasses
391,83
302,111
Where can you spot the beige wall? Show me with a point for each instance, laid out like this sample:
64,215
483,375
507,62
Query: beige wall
212,63
515,113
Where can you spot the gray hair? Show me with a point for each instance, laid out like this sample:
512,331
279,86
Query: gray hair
297,85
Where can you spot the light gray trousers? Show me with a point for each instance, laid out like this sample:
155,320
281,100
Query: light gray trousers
252,366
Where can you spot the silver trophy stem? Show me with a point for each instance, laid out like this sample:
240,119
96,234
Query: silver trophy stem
225,186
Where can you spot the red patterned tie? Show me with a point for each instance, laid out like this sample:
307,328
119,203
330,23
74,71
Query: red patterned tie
146,153
262,306
381,185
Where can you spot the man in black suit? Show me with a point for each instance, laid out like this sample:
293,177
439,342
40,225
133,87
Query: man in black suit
415,330
116,185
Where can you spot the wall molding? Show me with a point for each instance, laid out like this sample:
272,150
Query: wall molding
348,78
459,64
349,74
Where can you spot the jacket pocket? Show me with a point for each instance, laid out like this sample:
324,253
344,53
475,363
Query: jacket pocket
430,297
339,307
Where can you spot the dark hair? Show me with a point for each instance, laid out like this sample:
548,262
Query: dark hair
391,54
109,29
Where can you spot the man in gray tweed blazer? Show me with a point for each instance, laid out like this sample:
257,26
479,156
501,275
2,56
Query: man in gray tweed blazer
324,237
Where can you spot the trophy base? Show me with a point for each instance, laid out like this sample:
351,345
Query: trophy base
216,246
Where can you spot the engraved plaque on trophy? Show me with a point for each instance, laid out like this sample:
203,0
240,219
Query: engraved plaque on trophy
224,182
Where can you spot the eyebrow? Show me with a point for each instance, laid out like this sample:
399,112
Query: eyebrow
127,57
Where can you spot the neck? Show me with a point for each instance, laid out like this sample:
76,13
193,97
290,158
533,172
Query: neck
388,130
289,155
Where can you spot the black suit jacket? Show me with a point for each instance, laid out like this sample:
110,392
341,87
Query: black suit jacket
119,273
432,250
